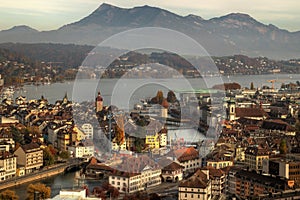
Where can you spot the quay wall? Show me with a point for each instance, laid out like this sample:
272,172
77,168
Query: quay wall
45,173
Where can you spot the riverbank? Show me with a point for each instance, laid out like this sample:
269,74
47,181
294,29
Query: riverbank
42,174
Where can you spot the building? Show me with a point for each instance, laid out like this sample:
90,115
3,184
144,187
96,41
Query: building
231,181
62,139
29,156
79,194
250,184
285,166
217,177
136,174
235,113
198,186
152,141
8,165
171,171
187,157
88,131
82,150
254,157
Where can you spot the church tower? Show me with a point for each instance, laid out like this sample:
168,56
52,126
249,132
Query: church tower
231,110
99,103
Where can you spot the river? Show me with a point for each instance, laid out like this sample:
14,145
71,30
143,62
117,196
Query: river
58,182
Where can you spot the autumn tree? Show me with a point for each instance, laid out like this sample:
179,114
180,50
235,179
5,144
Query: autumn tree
48,157
119,130
160,96
8,195
39,189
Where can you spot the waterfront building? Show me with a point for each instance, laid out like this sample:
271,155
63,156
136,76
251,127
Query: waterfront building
78,194
29,156
8,165
136,174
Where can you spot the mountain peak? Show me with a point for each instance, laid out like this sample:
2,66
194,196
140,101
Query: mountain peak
194,17
237,16
106,6
22,28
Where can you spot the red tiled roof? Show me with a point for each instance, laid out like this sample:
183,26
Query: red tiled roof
185,154
250,112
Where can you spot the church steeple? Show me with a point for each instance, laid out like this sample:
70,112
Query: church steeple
99,102
65,99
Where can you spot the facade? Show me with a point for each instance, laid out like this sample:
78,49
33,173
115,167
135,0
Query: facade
218,164
171,171
136,174
29,156
8,165
254,157
217,177
116,147
63,140
283,167
187,157
250,184
82,150
196,187
152,141
88,130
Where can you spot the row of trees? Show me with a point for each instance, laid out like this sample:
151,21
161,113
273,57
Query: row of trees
38,190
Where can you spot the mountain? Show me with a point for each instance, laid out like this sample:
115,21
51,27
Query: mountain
235,33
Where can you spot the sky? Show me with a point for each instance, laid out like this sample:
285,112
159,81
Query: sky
52,14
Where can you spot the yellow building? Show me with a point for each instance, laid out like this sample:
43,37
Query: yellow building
152,141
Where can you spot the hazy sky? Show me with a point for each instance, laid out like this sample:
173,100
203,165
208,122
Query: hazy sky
52,14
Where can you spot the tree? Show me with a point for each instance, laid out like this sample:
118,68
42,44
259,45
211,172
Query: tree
8,195
171,97
48,157
39,189
17,135
283,147
113,192
64,155
251,86
160,96
119,130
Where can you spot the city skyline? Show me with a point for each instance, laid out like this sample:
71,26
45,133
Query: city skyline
51,15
